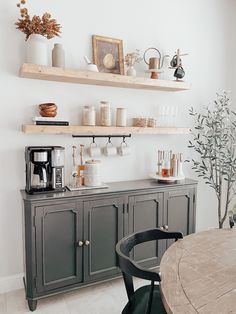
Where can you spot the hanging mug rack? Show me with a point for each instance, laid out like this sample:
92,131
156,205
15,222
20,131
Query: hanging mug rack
101,136
176,64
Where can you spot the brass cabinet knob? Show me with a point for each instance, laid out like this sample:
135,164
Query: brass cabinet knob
80,243
87,242
162,227
166,227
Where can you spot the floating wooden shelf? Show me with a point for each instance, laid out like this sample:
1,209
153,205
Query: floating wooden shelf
90,130
33,71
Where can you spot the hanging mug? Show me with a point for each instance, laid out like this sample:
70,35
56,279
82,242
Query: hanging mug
174,61
109,150
179,73
123,149
94,150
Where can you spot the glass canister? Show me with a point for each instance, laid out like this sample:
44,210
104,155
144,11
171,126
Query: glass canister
92,173
121,116
89,116
105,113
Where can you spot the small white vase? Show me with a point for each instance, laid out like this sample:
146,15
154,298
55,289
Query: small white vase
131,71
58,56
37,50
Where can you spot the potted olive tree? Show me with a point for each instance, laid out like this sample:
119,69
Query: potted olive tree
214,141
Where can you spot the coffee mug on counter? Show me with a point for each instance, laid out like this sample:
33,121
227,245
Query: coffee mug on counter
109,150
123,149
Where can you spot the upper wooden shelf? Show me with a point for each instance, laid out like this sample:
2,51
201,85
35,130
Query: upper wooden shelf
90,130
40,72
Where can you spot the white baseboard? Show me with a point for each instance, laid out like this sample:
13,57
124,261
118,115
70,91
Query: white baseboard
11,283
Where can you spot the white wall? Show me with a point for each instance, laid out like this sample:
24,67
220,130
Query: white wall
202,28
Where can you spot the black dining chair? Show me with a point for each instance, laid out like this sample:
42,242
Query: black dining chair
147,299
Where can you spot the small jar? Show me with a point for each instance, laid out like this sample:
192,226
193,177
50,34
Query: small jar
121,116
105,114
140,122
151,123
89,116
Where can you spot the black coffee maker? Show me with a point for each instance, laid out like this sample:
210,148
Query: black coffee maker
44,169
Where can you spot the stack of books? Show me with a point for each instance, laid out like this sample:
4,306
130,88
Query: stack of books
49,121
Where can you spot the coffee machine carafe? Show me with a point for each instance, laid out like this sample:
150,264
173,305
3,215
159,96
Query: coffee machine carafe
44,169
39,169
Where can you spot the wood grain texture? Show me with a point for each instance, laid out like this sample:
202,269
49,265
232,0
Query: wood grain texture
199,274
99,130
33,71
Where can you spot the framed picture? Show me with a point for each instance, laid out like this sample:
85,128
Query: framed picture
108,54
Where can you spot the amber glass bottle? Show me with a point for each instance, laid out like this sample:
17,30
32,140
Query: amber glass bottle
166,165
81,165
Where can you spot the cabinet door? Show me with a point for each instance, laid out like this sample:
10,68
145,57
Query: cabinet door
145,212
103,228
179,212
59,258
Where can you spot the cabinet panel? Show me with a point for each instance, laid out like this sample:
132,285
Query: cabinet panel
54,261
179,215
145,211
103,229
59,260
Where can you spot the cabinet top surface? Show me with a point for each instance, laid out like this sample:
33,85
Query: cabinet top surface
114,187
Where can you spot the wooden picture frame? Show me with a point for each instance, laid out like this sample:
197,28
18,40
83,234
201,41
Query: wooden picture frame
108,54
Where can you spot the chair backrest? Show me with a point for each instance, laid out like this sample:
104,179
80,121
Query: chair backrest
129,267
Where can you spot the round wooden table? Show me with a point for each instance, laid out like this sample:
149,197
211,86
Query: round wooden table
199,274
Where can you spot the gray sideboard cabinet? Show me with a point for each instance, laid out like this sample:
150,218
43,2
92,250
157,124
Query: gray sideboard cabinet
70,237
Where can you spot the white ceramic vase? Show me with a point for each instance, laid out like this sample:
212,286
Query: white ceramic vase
131,71
58,56
37,50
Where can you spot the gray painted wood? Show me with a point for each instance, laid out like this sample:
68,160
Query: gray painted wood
146,211
59,259
54,223
103,228
179,212
123,187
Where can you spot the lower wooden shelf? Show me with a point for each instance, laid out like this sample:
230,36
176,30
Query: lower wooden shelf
95,130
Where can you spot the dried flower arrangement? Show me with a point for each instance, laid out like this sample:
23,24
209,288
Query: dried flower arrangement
132,58
45,25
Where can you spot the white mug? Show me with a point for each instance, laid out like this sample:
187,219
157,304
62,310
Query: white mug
123,149
109,150
94,150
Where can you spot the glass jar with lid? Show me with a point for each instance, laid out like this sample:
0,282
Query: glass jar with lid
89,116
105,113
121,116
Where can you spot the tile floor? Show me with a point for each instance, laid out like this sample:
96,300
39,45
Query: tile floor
106,298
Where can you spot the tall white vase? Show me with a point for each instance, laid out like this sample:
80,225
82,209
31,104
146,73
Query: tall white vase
37,50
